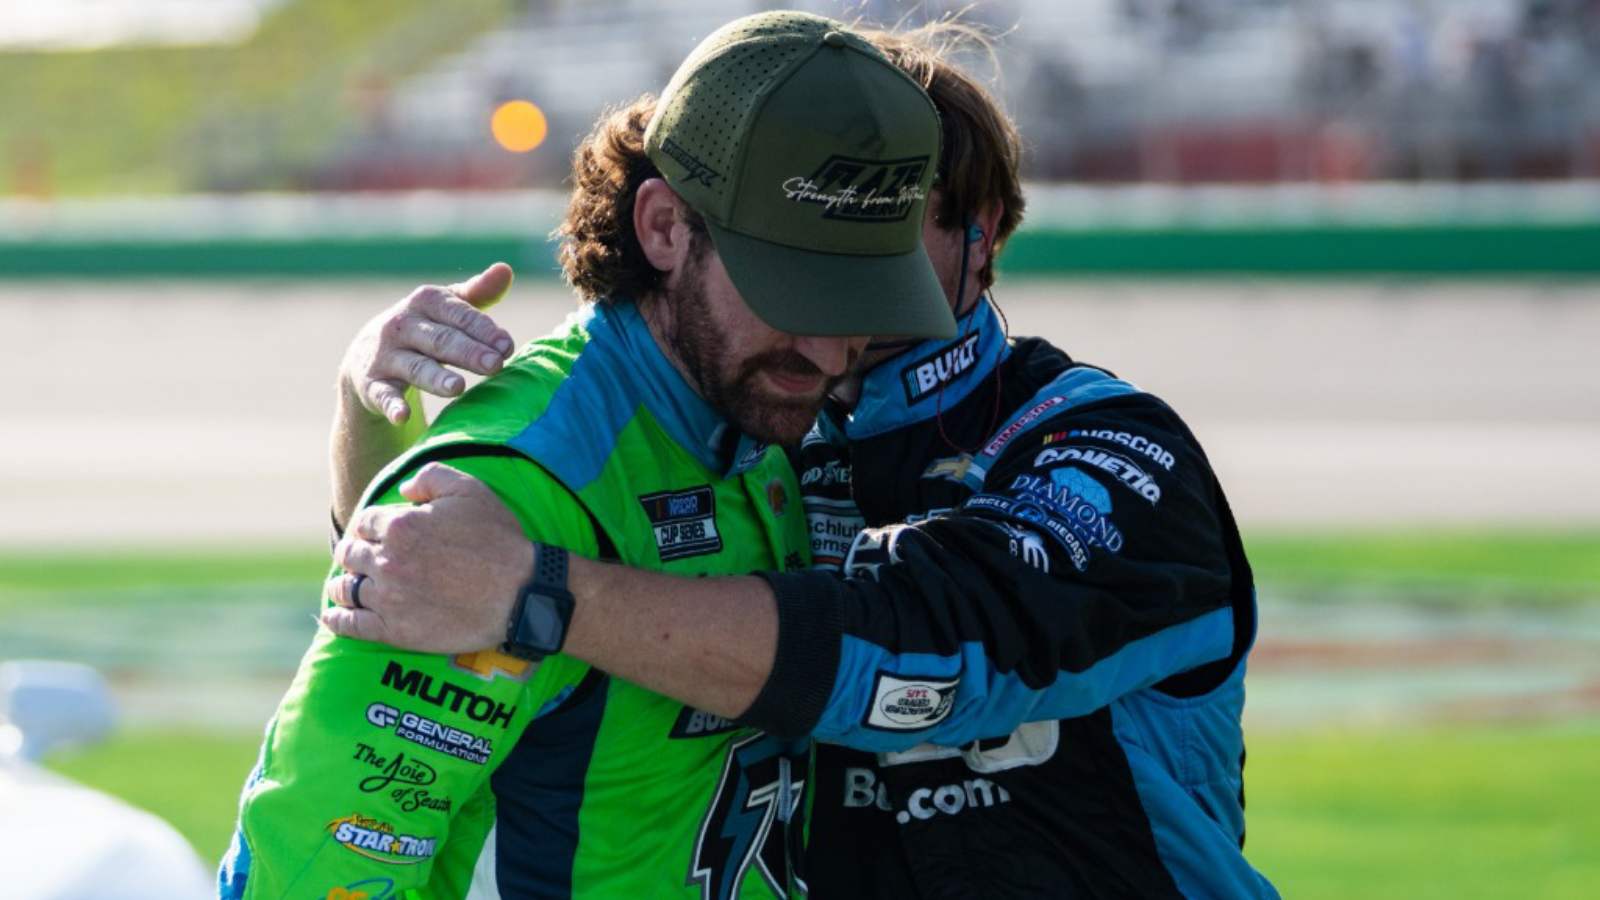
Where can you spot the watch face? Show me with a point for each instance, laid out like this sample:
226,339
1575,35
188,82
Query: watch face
541,625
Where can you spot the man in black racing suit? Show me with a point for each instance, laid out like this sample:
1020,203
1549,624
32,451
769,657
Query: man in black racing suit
1105,496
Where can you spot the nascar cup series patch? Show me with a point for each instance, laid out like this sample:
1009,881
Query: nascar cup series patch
684,522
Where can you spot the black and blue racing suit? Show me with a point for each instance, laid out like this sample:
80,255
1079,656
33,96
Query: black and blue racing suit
1045,544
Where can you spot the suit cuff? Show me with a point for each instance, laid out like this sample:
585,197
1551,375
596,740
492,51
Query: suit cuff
810,631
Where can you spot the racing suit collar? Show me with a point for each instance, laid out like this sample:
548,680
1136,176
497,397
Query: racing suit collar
907,387
680,410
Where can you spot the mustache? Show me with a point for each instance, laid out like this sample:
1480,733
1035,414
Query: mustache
786,362
792,362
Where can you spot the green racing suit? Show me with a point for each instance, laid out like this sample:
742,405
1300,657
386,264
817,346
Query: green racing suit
387,773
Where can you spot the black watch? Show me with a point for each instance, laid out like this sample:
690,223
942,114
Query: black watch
539,620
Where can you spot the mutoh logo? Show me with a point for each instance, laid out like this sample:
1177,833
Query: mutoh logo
862,789
446,695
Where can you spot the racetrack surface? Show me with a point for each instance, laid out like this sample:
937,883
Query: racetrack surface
184,413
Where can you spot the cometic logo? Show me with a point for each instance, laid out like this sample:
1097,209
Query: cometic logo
1125,470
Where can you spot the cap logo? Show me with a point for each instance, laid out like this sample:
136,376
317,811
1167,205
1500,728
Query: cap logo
861,190
694,169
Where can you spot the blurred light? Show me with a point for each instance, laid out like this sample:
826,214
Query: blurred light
519,126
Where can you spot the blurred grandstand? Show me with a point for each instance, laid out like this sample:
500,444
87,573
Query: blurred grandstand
391,96
1106,90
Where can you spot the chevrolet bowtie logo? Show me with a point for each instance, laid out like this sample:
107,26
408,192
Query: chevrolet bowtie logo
954,468
486,664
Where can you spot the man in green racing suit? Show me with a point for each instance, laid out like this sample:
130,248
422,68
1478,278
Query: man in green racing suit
639,431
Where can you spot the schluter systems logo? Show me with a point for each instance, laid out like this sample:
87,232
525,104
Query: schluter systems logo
861,190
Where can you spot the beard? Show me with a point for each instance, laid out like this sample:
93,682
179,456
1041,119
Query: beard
731,384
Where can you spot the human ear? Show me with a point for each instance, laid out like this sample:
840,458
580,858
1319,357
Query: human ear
663,235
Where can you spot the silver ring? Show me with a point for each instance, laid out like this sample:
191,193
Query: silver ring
355,591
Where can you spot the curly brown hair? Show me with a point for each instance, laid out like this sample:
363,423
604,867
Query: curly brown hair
980,151
978,167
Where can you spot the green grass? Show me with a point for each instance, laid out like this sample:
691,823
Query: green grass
1525,565
105,573
1456,813
141,119
191,779
1462,812
1459,813
1464,566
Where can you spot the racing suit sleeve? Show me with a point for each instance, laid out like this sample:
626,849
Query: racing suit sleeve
1080,569
377,763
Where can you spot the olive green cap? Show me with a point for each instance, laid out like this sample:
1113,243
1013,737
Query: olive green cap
810,156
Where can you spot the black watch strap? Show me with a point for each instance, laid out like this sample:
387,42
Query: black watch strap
543,611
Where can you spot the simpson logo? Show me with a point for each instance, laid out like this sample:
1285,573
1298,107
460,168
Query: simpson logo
377,840
1021,424
425,732
694,169
1124,470
925,376
446,695
861,190
901,704
685,522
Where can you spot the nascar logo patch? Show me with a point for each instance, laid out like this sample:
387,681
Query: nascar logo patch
684,522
